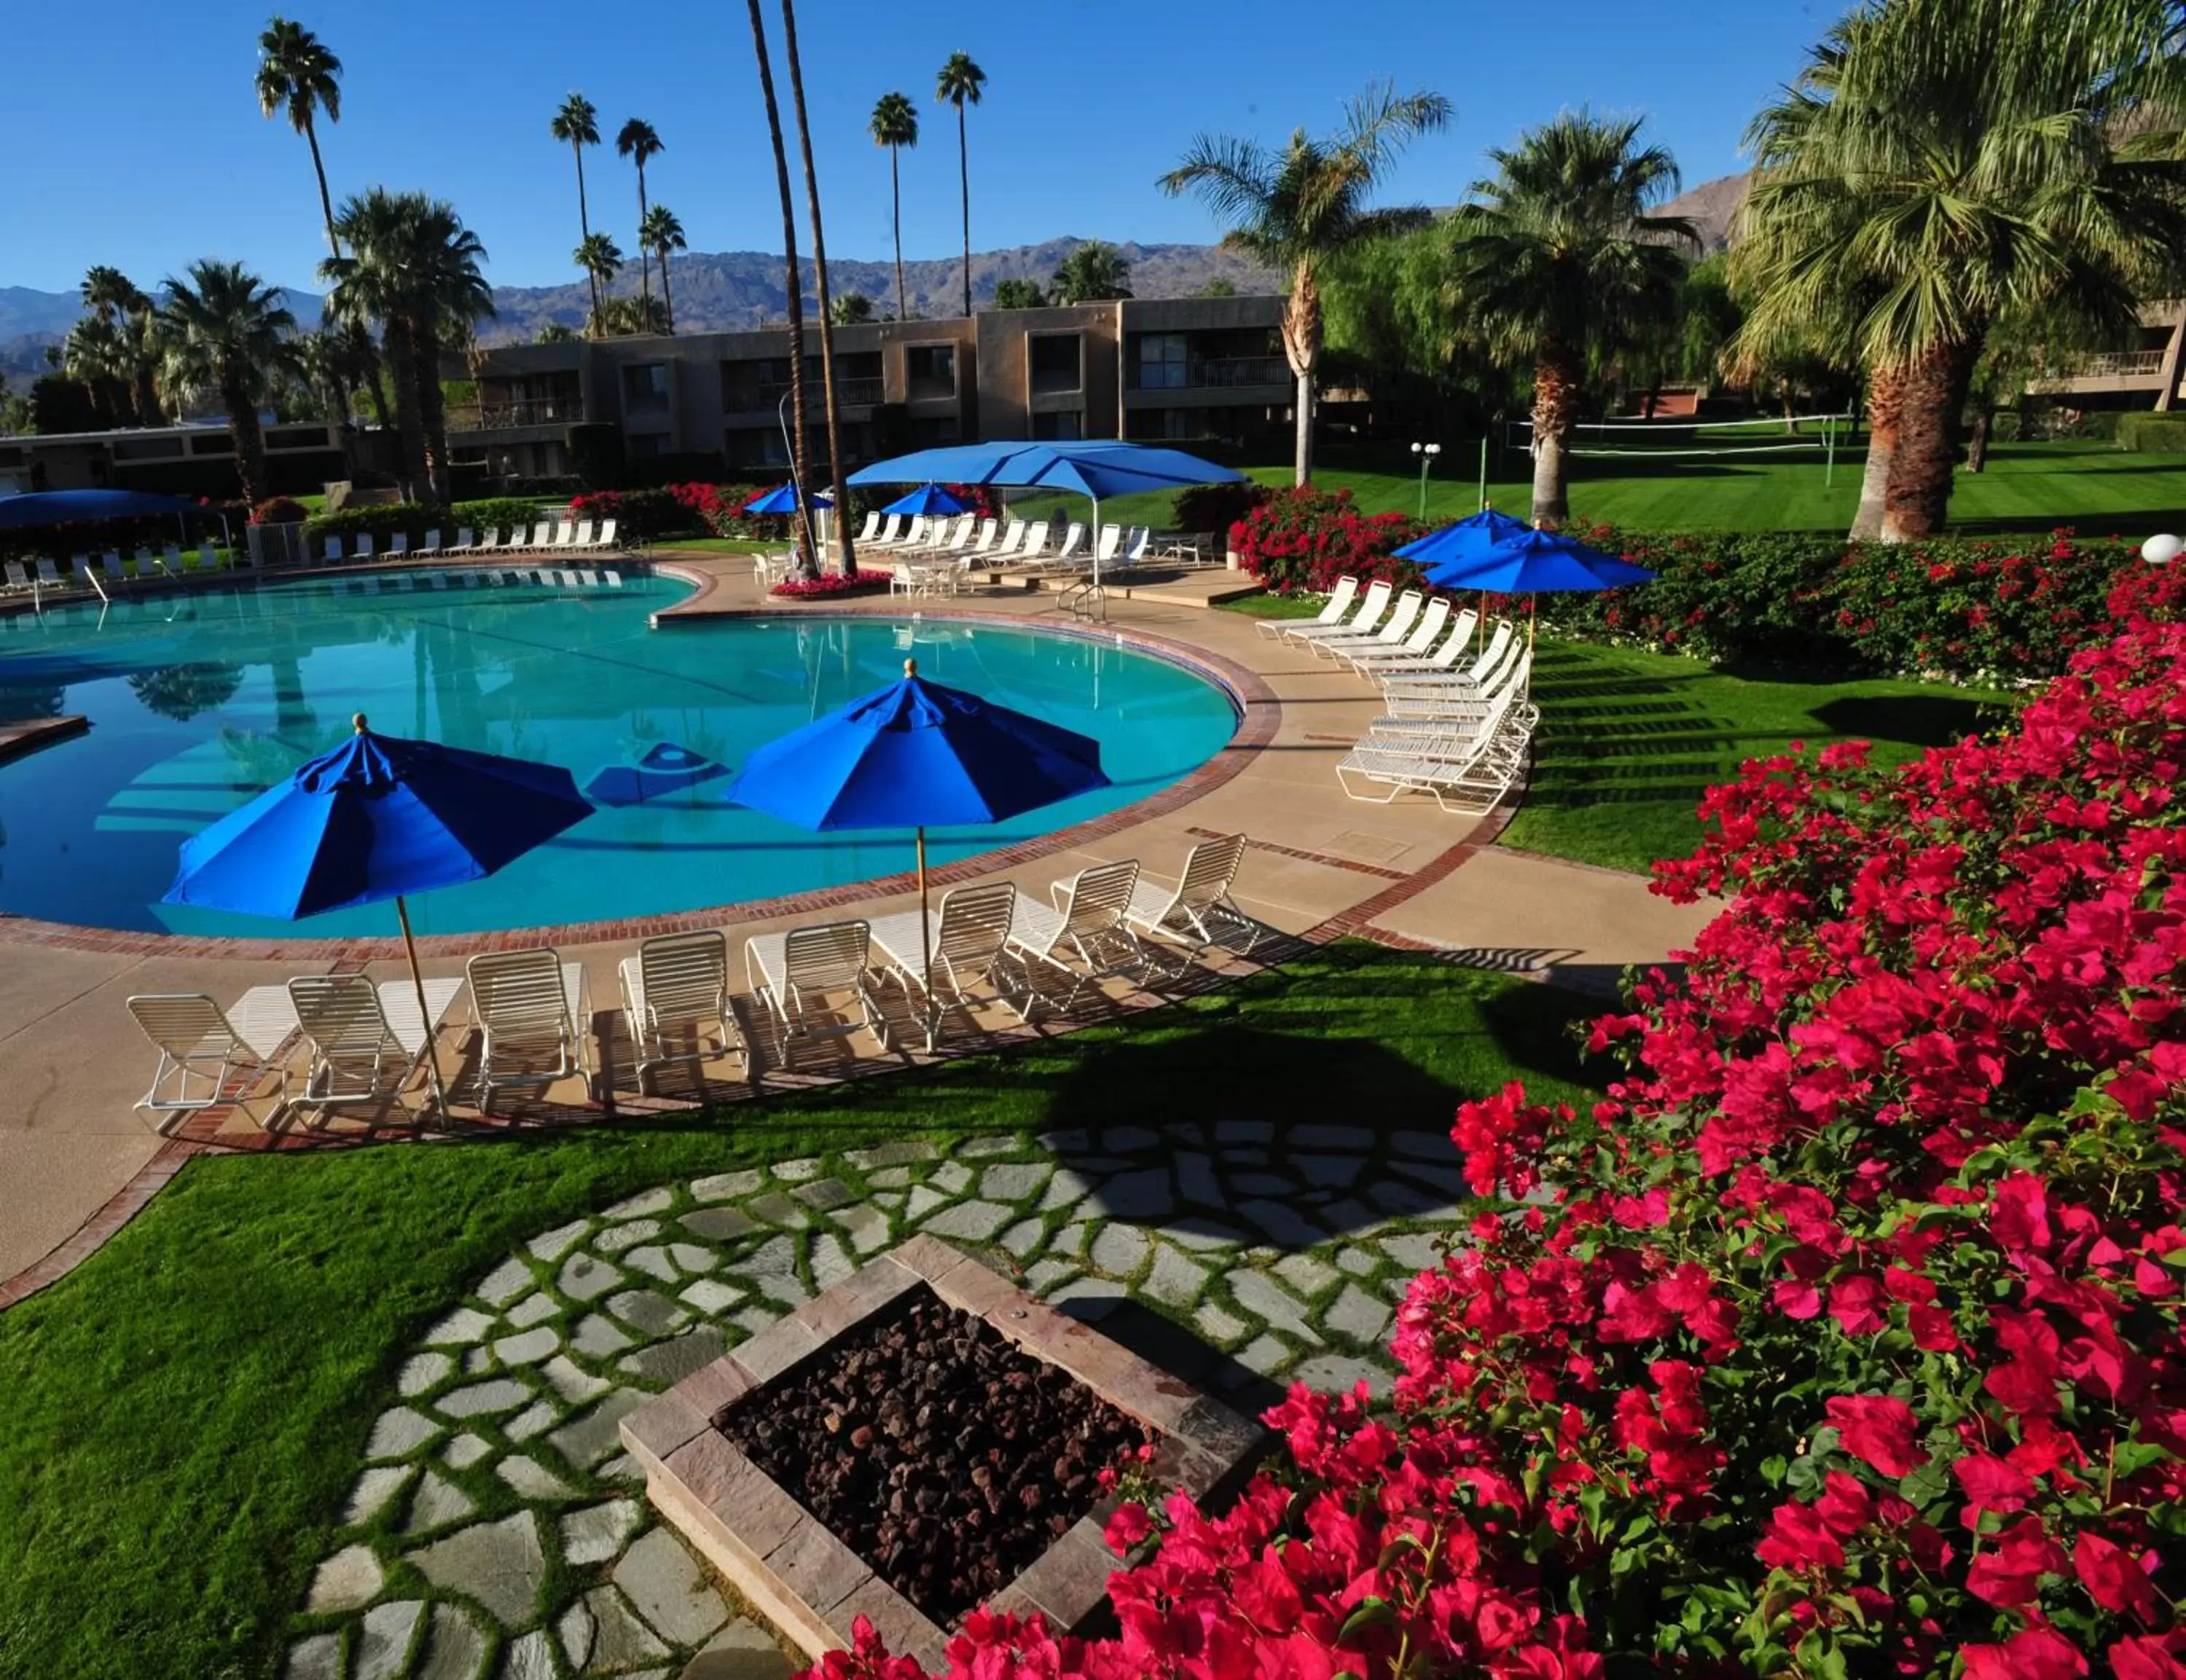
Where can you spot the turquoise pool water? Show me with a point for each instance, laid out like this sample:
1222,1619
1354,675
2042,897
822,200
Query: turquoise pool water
198,702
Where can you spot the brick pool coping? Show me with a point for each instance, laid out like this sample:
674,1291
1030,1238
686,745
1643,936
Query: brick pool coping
793,1568
1259,714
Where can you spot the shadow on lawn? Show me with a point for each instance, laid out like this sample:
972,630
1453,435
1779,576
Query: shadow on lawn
1921,720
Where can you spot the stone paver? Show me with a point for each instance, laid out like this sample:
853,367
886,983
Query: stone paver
435,1504
421,1372
383,1645
318,1658
1118,1249
970,1221
742,1650
347,1579
454,1647
590,1437
583,1278
374,1489
483,1399
664,1582
464,1451
398,1432
644,1310
498,1564
598,1533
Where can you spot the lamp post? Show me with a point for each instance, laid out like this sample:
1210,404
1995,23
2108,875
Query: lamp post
1427,453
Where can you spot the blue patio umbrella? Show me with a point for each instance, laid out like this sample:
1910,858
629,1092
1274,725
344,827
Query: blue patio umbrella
379,817
85,506
782,498
917,755
1537,562
925,501
1470,539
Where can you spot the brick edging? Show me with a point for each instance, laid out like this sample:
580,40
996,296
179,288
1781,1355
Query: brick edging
88,1238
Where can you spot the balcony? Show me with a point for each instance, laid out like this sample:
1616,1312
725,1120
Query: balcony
766,397
2108,373
1211,374
512,412
2140,364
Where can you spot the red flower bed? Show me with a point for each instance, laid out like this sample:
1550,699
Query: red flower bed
829,585
1842,1338
1306,539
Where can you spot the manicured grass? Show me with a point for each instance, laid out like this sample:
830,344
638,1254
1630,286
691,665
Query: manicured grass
720,545
1628,742
186,1411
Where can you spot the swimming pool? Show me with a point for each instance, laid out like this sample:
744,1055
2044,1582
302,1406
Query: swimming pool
198,702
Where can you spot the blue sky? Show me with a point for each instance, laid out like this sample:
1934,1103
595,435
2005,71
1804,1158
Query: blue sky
138,142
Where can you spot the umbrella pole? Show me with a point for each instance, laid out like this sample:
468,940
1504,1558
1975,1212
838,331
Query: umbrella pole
926,945
424,1011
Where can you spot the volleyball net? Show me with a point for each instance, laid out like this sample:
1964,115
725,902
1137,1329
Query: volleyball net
1811,435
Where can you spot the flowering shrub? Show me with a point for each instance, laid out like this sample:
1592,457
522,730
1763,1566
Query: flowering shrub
1216,507
1841,1338
280,510
831,586
665,510
1306,539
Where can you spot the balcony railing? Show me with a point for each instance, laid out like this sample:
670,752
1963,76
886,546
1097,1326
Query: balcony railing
2125,364
766,397
482,417
1210,373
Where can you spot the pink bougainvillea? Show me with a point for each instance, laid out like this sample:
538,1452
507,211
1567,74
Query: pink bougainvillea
1305,539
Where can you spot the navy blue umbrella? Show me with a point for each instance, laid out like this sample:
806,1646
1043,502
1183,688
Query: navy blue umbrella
377,818
782,498
917,755
926,500
80,506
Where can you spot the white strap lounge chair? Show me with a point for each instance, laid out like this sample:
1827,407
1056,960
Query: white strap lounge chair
533,1010
1403,613
793,974
583,539
970,937
368,1042
197,1041
17,576
1111,544
872,526
146,563
1138,545
48,572
1424,629
110,563
1075,548
209,556
431,545
1034,546
985,545
170,560
1085,938
1371,609
1333,610
675,997
1467,770
1470,680
1454,646
1461,709
891,534
334,554
609,541
1198,912
490,543
364,545
1012,537
542,536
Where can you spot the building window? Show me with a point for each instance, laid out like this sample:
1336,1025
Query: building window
1055,361
931,434
1066,427
647,446
1162,361
645,387
930,369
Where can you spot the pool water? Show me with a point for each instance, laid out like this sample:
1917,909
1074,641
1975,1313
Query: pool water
197,702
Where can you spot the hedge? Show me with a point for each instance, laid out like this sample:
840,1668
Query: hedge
415,518
2152,434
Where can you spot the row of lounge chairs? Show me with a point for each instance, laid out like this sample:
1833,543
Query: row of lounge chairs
930,556
113,572
548,536
368,1042
1460,720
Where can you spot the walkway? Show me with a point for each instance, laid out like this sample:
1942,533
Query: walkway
72,1061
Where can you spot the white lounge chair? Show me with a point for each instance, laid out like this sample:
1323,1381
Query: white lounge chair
332,555
1034,546
867,531
1403,613
582,540
1424,629
607,541
1466,768
1388,667
1012,536
533,1010
170,560
1198,912
1463,711
792,975
891,534
48,572
1085,938
1459,685
368,1042
209,556
110,563
197,1039
675,991
431,545
1074,549
1368,615
464,542
542,536
985,545
145,562
1109,544
17,576
969,939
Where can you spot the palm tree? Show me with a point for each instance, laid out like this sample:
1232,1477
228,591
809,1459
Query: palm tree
808,561
959,84
1095,272
227,334
1014,293
638,142
626,317
1560,258
602,259
894,125
850,309
132,353
838,473
297,74
577,125
660,233
1299,207
1947,168
96,355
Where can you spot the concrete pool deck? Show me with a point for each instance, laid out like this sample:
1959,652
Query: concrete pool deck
1320,865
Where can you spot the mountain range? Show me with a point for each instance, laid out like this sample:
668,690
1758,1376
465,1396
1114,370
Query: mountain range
721,291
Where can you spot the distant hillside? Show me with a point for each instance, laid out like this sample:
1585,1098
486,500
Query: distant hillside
718,292
1710,207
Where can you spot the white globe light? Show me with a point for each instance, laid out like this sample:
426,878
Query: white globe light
2162,550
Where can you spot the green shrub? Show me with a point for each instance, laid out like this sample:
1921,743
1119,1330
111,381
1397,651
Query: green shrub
414,518
2152,434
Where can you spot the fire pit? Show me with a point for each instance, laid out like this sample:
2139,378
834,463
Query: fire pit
921,1439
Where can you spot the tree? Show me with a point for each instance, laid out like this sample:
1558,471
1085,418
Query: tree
602,259
577,125
17,416
638,142
297,74
1016,294
1297,208
1221,286
959,84
1942,167
660,233
838,473
630,316
96,355
1095,272
132,355
894,125
556,333
808,561
227,334
1559,259
851,309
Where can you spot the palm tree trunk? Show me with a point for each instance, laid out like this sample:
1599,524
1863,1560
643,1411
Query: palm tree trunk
409,415
1556,404
1917,496
895,196
837,475
667,292
644,256
1885,402
1302,345
808,561
319,169
964,186
249,440
585,228
432,417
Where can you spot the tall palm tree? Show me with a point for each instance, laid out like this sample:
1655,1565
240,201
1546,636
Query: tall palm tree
1299,207
1560,258
576,124
132,353
959,84
894,125
660,233
1946,168
297,74
227,334
808,561
638,142
602,259
838,473
96,355
850,309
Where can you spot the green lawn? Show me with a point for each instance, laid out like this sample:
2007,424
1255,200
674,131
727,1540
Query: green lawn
187,1411
2027,487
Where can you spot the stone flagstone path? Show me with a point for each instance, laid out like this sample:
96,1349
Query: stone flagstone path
496,1529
